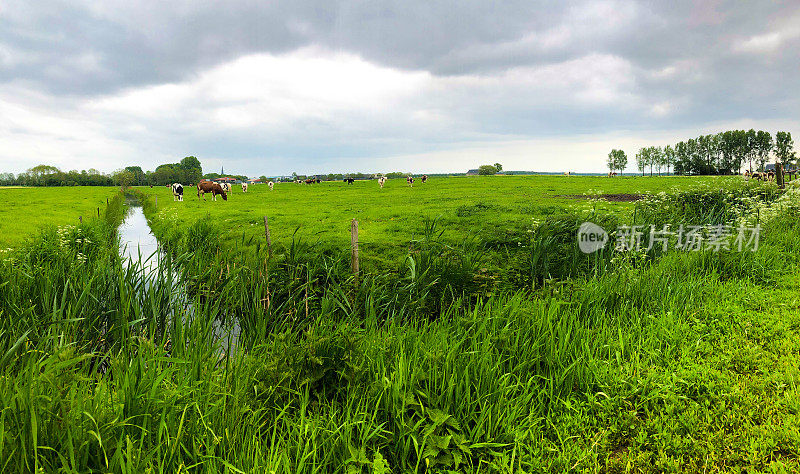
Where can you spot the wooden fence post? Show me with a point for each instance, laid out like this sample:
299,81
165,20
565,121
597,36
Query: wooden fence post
80,219
98,212
266,233
354,246
779,175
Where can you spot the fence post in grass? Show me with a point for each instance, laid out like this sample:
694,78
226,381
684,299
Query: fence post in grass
266,233
779,175
106,201
98,212
80,219
354,246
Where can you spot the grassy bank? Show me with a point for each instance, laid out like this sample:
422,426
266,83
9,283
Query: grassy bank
624,361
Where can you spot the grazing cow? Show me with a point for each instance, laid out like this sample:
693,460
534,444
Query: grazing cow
410,181
226,187
349,180
318,180
204,187
424,178
310,181
382,181
271,185
566,173
244,187
177,192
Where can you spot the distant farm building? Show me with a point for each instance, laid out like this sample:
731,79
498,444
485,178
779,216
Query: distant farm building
472,173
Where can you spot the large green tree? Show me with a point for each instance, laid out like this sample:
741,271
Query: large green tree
487,170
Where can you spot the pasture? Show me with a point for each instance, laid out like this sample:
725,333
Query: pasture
465,207
26,210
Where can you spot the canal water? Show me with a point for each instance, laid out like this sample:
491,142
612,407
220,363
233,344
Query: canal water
138,246
137,243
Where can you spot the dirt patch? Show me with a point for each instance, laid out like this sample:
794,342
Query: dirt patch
607,197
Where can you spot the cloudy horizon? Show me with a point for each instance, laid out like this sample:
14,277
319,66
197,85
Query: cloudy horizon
321,87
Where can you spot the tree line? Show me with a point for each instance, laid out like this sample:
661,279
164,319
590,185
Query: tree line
188,170
723,153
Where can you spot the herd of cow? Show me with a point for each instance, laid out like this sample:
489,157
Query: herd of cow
223,189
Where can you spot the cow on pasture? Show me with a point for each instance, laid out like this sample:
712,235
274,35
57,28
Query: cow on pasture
271,185
177,192
410,181
424,178
204,187
244,187
382,181
349,180
226,187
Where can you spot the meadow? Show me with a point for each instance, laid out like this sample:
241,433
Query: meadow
469,350
463,207
26,210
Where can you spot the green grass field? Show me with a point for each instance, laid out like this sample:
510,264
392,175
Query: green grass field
388,218
25,211
547,360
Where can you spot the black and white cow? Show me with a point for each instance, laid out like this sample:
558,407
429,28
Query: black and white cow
177,192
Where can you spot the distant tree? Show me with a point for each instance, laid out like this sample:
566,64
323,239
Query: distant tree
750,145
138,174
763,146
499,167
617,160
656,159
123,178
669,157
263,178
784,148
642,159
485,170
38,174
191,162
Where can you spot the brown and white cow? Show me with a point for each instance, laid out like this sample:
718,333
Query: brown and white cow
226,187
204,187
382,181
410,181
424,178
244,187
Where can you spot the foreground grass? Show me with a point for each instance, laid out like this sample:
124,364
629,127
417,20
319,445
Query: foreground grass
26,210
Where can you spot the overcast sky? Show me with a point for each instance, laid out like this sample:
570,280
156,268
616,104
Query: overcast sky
414,85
